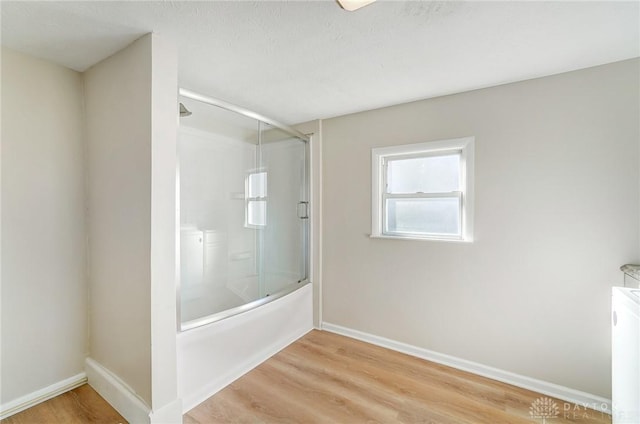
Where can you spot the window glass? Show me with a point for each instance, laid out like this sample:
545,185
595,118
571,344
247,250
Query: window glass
258,184
435,215
428,174
257,212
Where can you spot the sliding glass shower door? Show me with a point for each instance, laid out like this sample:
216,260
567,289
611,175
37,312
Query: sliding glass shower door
283,238
243,213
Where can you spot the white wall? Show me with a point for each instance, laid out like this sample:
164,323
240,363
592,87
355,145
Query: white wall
557,206
164,136
44,330
118,113
131,110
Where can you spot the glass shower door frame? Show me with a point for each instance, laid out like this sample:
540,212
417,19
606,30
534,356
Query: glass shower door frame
303,213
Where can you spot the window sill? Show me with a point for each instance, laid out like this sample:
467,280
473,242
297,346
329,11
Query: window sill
416,238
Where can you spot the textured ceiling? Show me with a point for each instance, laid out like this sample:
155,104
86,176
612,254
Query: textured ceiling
301,60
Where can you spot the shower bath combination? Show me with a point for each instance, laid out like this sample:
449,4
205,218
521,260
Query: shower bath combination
243,207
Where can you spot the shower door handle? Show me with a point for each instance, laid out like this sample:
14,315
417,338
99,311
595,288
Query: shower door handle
303,210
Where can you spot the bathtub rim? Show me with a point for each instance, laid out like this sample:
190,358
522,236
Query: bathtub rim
227,313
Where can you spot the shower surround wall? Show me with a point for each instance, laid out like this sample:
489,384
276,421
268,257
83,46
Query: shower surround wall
227,260
218,255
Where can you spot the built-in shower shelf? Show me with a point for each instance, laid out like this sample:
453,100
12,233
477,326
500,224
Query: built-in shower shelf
236,195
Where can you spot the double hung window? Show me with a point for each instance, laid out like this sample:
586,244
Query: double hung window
423,191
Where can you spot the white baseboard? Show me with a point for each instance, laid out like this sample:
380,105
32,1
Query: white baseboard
115,391
577,397
168,414
32,399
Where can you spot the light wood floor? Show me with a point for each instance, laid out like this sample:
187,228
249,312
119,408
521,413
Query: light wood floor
327,378
78,406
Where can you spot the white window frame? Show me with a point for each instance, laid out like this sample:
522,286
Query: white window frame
379,160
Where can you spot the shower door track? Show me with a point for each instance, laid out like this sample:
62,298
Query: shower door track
246,112
209,319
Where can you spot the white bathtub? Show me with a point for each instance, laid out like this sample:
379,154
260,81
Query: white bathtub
212,356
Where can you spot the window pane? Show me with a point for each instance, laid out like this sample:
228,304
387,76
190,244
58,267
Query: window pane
257,212
258,184
431,174
424,216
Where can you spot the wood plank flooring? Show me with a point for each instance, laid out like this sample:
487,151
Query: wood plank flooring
78,406
327,378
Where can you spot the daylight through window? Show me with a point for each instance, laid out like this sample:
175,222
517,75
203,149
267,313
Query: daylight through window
423,191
